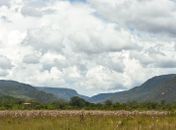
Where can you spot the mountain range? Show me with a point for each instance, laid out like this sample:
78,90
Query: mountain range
156,89
24,91
62,93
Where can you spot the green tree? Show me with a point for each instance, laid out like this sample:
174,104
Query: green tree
108,103
78,102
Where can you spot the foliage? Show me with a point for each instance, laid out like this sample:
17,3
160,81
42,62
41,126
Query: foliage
78,102
10,103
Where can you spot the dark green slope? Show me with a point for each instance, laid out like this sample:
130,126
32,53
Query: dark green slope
24,91
156,89
62,93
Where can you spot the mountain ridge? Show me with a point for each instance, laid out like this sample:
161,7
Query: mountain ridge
62,93
24,91
156,89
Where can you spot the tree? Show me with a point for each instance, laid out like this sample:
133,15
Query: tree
60,104
108,103
78,102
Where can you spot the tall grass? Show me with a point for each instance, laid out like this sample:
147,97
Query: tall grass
86,120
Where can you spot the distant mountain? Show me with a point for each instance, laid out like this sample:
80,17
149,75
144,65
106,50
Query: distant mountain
100,97
62,93
24,91
41,94
156,89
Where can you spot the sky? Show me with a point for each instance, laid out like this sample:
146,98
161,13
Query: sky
92,46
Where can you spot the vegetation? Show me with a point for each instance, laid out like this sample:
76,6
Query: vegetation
86,120
77,103
39,110
24,91
156,89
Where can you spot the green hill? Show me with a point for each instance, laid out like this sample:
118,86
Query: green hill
62,93
24,91
156,89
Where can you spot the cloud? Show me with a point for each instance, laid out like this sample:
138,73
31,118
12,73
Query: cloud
3,73
91,46
75,27
101,77
5,65
5,2
31,59
155,18
37,8
156,54
48,60
77,1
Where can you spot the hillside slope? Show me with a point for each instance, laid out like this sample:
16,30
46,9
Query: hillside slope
62,93
24,91
156,89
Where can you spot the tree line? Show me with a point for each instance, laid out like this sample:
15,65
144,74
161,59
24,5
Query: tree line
77,103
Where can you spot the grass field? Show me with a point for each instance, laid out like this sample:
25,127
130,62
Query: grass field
87,120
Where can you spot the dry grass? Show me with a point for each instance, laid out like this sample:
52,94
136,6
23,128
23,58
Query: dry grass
87,120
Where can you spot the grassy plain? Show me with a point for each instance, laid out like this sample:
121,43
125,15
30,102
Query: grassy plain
87,120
